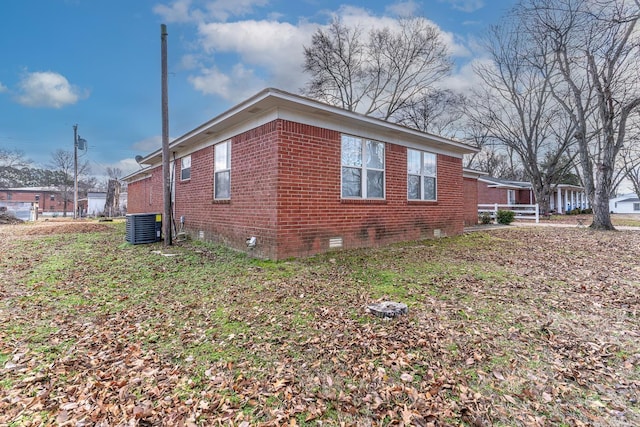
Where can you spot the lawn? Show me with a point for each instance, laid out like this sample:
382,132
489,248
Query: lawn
509,327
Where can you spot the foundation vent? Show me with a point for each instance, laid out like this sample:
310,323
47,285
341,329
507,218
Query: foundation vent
335,242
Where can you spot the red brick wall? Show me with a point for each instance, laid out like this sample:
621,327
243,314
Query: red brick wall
45,204
252,208
312,211
488,195
524,197
470,191
287,195
146,195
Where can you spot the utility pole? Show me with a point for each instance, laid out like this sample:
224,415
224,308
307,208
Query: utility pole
75,171
165,139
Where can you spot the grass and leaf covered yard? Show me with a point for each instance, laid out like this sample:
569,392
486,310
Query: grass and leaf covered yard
517,326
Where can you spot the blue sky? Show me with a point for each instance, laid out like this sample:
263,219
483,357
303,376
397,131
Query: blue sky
96,63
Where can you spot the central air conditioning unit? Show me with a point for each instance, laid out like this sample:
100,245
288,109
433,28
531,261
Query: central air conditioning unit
144,228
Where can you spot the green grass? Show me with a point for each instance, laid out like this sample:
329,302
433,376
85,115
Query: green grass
212,312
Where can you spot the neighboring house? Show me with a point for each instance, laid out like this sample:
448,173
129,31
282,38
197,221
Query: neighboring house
298,177
96,201
470,191
494,190
49,200
627,203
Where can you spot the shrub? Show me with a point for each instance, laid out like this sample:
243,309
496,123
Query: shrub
485,218
505,217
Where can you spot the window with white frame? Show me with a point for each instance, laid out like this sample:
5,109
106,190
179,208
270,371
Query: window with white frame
222,171
421,175
511,197
362,168
185,168
636,207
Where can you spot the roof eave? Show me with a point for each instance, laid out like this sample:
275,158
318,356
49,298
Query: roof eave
271,98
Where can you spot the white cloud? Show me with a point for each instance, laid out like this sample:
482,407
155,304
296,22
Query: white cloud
178,11
218,10
237,58
127,166
403,8
465,5
47,89
355,16
465,79
263,51
148,145
189,62
224,9
239,84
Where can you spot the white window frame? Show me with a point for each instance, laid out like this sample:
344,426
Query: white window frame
185,165
511,197
636,206
423,174
364,169
226,169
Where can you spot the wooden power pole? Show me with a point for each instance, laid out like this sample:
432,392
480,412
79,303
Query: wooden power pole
166,173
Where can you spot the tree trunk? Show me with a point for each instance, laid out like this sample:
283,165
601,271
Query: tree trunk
600,206
112,201
543,199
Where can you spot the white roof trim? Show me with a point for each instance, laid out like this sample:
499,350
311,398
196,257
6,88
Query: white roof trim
270,104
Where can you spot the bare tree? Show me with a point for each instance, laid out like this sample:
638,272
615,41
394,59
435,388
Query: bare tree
63,163
114,173
630,156
378,75
13,158
439,112
517,108
595,44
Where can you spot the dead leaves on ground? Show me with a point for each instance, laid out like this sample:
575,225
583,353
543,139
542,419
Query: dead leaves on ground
542,331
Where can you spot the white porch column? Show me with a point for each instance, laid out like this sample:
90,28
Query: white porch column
559,201
566,200
573,199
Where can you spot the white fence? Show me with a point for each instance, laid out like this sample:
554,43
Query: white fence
26,211
521,211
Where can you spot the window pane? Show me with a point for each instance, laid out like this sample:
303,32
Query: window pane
375,155
222,185
351,151
375,184
429,188
221,156
351,182
413,187
186,162
429,164
413,162
185,174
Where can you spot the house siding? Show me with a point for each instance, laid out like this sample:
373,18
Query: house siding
311,210
286,191
45,204
146,195
470,191
487,195
251,210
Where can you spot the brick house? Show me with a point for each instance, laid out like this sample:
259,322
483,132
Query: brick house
303,177
504,192
566,197
50,200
